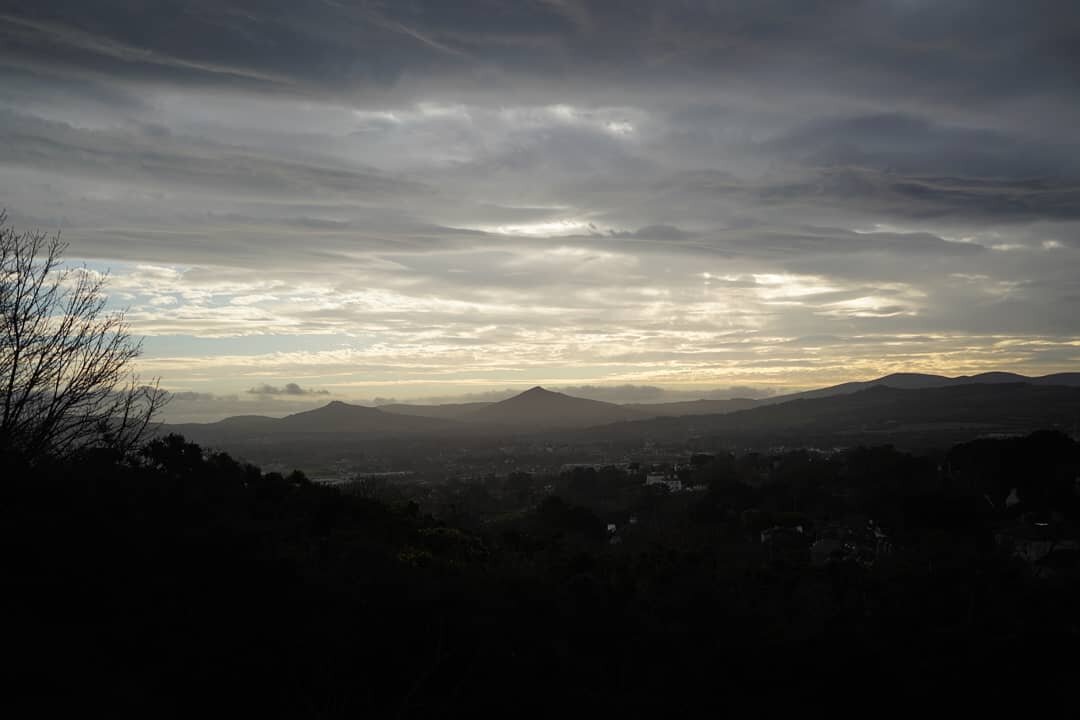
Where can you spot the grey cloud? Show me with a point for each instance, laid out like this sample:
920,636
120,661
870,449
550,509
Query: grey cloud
261,47
885,193
654,232
813,241
30,141
22,86
909,166
1020,199
292,389
906,144
306,45
577,152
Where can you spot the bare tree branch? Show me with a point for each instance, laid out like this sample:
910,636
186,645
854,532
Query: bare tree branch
65,361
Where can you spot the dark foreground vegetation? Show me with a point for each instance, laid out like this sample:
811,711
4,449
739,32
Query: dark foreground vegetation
182,581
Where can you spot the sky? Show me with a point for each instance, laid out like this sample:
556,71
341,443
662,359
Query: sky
299,200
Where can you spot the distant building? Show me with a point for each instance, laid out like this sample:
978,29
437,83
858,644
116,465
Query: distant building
672,484
1036,544
862,542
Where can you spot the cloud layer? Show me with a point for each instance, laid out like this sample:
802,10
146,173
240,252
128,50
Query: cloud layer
431,199
291,389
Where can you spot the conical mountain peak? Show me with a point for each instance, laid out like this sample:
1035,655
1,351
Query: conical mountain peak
541,408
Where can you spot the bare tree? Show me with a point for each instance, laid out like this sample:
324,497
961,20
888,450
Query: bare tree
66,381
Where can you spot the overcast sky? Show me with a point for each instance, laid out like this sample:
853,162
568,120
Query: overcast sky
303,199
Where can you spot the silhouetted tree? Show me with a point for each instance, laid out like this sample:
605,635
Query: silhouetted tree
65,376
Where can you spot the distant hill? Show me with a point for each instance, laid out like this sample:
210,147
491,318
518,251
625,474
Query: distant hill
244,422
694,407
539,408
517,415
467,411
335,417
989,402
535,409
877,414
920,381
957,411
449,411
900,381
342,417
1057,379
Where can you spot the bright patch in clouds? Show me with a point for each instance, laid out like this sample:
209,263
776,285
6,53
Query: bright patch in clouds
552,228
782,287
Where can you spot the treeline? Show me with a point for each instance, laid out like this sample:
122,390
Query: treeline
179,580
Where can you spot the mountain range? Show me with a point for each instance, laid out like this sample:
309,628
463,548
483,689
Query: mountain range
335,417
990,401
525,409
540,408
919,381
534,408
928,416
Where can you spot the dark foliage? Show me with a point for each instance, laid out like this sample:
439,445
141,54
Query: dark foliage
188,582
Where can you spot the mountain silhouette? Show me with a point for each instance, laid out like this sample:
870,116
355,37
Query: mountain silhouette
874,414
447,411
920,381
516,413
1057,379
898,381
694,407
540,408
334,417
338,416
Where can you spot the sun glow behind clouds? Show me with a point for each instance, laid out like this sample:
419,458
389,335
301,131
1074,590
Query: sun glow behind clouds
773,286
868,306
548,228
